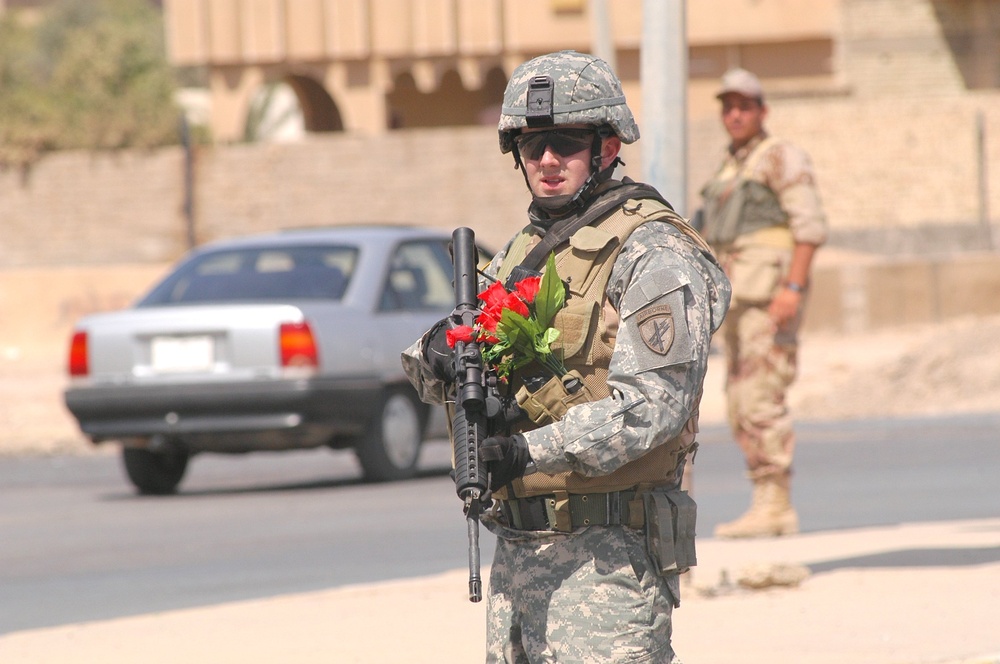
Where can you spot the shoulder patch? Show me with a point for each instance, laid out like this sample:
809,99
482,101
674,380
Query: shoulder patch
656,327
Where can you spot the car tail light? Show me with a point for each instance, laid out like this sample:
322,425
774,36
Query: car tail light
298,346
78,364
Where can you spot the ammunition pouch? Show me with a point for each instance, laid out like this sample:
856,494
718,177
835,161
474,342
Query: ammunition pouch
550,402
670,530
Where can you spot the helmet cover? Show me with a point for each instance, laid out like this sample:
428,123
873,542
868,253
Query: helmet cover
584,91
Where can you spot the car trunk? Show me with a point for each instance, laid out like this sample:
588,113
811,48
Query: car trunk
204,343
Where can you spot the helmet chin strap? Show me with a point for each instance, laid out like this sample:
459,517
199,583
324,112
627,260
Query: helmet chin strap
544,211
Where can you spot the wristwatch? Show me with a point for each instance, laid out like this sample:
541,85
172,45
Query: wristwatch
792,286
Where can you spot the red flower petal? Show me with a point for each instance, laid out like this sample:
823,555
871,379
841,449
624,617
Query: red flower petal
528,288
494,295
461,333
488,320
516,304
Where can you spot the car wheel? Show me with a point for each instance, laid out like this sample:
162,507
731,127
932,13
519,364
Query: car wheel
390,449
155,473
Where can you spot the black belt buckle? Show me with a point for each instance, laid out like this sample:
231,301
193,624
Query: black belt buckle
538,516
527,513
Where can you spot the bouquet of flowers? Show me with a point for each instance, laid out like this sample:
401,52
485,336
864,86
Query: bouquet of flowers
513,328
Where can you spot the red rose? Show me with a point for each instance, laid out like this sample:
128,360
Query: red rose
461,333
528,288
488,319
494,296
516,304
488,338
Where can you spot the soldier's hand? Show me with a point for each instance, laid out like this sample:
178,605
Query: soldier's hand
785,307
506,457
437,354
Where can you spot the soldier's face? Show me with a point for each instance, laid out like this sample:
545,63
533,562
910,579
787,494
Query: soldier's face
743,117
556,171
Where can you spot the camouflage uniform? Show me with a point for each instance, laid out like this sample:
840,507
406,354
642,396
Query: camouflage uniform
761,361
593,593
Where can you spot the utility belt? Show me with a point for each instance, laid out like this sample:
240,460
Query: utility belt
668,517
565,512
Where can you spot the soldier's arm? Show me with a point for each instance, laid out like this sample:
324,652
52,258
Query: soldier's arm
664,300
789,172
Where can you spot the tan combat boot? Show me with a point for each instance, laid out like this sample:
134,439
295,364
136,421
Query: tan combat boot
771,513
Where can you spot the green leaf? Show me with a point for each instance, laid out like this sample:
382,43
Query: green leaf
519,330
551,334
551,294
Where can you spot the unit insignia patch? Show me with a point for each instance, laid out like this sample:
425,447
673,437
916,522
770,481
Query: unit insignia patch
656,326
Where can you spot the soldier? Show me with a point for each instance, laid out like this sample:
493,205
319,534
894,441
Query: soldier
762,215
587,557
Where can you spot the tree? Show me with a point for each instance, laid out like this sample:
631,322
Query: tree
91,75
26,118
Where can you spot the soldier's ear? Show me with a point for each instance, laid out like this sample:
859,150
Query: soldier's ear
610,148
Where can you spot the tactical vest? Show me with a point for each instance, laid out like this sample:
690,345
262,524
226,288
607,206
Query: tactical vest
741,205
586,342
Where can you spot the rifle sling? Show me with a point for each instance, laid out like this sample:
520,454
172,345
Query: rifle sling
562,230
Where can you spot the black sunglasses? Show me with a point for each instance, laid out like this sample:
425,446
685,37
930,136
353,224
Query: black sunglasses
564,142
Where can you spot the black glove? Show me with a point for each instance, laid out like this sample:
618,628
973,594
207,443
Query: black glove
506,457
512,412
437,354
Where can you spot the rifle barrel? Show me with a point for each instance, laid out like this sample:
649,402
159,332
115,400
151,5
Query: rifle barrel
475,580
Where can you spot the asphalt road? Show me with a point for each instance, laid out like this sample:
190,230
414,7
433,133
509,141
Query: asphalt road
77,544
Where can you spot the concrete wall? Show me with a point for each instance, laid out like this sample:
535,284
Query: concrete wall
84,232
885,165
859,296
890,172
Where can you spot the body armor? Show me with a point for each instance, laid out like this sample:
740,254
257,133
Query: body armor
586,342
741,205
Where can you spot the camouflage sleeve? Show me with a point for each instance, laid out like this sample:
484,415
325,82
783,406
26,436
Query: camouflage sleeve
788,171
430,389
669,298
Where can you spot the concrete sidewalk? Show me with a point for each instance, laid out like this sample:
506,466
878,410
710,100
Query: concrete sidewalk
910,594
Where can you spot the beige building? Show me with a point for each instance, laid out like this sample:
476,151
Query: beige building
372,65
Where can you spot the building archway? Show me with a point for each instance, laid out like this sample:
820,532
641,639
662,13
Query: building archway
448,105
319,111
286,109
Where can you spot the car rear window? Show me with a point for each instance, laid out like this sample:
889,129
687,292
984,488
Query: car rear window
278,273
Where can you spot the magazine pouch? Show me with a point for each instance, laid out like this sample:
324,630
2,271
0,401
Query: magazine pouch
550,402
670,530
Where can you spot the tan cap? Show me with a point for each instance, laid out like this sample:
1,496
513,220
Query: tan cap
741,82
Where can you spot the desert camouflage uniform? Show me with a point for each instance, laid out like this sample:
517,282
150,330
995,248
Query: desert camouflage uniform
761,362
593,595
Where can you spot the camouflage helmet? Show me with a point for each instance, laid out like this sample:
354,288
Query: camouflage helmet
584,90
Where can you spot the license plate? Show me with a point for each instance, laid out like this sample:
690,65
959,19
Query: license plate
180,354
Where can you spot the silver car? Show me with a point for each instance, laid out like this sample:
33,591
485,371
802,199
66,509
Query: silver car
288,340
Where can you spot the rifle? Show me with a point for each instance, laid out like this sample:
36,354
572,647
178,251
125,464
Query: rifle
476,402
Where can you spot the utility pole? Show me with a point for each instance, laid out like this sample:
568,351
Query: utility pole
663,70
600,24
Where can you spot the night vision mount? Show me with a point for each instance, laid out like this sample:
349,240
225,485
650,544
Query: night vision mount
539,106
